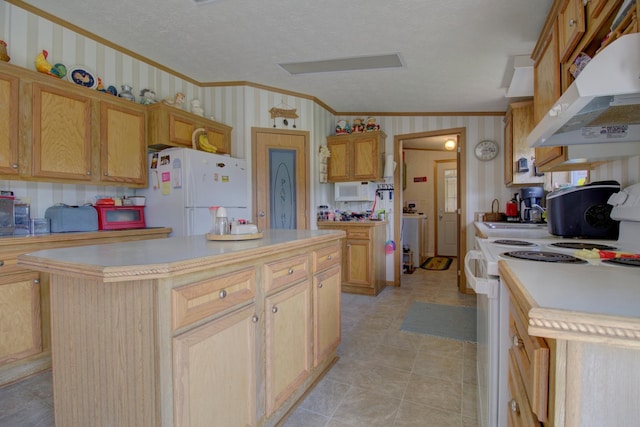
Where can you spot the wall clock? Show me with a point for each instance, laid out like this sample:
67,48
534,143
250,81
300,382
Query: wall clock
486,150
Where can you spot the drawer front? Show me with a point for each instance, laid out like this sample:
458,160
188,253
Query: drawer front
285,272
532,358
9,265
359,233
519,411
326,257
197,301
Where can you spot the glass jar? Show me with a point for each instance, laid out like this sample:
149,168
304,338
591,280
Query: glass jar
222,222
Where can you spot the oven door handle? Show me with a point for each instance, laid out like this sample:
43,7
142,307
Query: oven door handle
480,285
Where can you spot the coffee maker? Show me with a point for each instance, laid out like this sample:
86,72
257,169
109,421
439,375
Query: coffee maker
530,204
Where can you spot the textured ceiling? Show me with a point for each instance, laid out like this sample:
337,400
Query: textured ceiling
457,53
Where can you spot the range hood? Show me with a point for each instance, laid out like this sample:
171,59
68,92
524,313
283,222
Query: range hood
602,105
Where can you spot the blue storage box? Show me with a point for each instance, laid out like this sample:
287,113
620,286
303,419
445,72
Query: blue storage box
65,218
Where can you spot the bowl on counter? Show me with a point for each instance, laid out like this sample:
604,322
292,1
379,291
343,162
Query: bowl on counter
137,200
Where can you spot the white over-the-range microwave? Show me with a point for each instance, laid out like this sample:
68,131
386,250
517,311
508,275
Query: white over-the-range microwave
357,191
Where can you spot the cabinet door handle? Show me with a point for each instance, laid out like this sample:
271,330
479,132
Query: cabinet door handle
255,319
36,281
290,271
223,294
15,166
329,257
274,309
517,342
572,22
1,263
515,408
88,172
320,285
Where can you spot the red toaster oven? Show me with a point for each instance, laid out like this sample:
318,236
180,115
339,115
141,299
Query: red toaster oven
120,217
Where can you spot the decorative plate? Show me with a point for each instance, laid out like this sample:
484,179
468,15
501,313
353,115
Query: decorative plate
83,77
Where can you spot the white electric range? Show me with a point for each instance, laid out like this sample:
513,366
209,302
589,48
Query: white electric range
481,269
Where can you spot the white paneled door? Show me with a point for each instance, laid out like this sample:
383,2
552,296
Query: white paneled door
447,208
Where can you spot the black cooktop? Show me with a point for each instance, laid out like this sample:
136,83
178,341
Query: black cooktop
583,245
510,242
628,262
545,257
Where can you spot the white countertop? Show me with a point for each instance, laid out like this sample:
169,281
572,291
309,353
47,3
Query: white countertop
579,302
161,257
534,232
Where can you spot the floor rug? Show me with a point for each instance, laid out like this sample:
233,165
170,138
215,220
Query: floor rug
447,321
436,263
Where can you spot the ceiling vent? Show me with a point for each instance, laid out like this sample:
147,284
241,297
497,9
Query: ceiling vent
374,62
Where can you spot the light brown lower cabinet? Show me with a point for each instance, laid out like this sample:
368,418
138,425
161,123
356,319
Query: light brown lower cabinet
25,347
217,341
288,338
363,263
214,371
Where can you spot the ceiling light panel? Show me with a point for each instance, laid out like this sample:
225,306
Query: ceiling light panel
374,62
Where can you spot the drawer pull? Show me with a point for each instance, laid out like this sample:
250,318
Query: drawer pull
223,294
320,285
515,408
329,257
274,309
290,271
254,319
1,263
517,342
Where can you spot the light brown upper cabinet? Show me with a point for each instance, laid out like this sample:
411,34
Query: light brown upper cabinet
572,28
61,132
518,123
572,24
61,126
172,127
9,86
123,152
546,87
356,157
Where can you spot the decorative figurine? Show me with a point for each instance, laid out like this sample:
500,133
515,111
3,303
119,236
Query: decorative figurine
147,97
126,93
177,101
342,127
358,126
100,87
371,125
196,108
3,52
43,66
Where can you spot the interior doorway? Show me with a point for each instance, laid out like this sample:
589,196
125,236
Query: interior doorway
399,174
281,180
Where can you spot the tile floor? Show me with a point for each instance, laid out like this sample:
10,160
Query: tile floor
390,378
385,377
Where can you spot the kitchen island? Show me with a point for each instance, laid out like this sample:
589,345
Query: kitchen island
190,332
589,316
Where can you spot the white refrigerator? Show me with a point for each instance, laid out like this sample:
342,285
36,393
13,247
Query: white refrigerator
185,183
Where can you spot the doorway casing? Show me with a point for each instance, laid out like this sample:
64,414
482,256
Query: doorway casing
461,164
